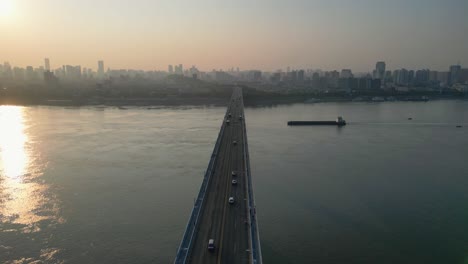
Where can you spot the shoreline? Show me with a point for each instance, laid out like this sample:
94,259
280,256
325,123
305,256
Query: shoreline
215,101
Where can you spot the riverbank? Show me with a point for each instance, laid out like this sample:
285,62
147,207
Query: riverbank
249,100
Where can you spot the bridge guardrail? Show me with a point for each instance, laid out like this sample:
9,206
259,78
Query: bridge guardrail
256,256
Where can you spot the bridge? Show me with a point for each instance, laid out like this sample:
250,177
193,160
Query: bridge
224,210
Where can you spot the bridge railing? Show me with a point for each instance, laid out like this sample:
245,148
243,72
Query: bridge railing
256,254
192,225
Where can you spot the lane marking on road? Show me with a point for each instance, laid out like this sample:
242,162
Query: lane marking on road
224,216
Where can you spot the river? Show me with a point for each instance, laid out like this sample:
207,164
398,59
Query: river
109,185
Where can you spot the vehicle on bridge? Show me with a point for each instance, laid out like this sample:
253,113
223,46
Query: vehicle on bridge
234,182
211,246
234,142
228,122
234,173
231,200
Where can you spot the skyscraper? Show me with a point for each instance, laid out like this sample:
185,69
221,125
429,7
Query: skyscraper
73,72
181,69
30,73
380,70
7,72
47,64
170,69
300,75
346,73
101,68
454,74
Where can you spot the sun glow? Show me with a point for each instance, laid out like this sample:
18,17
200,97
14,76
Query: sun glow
6,8
24,196
13,156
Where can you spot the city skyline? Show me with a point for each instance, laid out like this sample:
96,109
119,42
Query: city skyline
380,77
101,66
309,34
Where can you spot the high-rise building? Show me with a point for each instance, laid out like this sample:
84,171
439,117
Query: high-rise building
47,64
7,72
101,68
276,77
194,70
315,76
30,73
170,69
388,76
463,78
49,78
73,72
84,73
454,74
364,83
422,77
292,76
410,77
39,72
380,70
401,77
181,69
376,84
300,75
346,73
18,73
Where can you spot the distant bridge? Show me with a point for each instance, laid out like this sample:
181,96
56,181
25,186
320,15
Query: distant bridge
224,210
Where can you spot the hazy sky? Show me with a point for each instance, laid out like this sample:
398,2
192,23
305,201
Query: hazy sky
250,34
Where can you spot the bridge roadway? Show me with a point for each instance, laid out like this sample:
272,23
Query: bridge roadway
226,223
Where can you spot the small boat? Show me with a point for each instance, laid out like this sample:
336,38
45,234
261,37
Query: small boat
459,126
410,118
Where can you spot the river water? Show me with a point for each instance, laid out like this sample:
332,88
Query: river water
109,185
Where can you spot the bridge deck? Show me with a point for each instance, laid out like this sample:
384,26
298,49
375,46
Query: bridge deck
228,224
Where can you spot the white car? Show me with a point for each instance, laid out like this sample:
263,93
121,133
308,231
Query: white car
231,200
234,182
211,245
234,173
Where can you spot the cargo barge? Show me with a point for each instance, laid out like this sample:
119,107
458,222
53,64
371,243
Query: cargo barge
338,122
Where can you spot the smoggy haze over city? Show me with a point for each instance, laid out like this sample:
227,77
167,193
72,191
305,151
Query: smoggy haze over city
265,35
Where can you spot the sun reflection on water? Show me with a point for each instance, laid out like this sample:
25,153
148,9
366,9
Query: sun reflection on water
12,140
24,198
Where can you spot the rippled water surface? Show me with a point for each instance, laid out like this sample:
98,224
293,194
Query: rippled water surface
107,185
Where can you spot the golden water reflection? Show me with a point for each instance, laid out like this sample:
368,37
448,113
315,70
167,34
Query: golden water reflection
24,198
12,139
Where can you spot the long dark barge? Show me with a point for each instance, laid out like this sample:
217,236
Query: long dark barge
338,122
